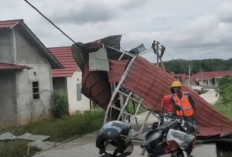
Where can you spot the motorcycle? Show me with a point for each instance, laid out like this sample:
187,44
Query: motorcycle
172,135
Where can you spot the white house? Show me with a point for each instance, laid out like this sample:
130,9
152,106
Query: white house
209,79
69,79
25,75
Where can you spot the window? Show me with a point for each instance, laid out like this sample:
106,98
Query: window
35,89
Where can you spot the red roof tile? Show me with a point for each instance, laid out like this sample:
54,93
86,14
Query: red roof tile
65,57
6,66
9,24
210,75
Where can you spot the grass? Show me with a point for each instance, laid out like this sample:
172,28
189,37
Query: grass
59,130
225,104
224,108
16,148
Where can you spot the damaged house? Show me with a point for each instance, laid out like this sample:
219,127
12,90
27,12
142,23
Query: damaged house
130,77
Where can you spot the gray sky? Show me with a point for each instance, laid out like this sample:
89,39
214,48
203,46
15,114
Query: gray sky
189,29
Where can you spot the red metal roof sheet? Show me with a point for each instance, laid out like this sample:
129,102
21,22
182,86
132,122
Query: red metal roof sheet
65,57
9,24
6,66
96,86
152,84
210,75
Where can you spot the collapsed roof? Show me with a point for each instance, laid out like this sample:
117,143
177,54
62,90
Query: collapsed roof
144,79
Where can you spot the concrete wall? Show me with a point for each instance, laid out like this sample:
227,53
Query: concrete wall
6,46
7,99
74,105
29,109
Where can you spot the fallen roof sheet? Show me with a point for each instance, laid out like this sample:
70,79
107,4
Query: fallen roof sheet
151,84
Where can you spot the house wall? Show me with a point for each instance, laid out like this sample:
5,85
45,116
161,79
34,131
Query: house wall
74,105
6,46
29,109
7,99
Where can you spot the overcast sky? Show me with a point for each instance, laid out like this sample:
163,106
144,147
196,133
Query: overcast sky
189,29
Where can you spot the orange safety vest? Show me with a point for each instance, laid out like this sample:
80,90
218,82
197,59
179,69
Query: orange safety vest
186,107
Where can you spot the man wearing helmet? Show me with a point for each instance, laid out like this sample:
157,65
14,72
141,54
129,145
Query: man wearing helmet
184,101
187,107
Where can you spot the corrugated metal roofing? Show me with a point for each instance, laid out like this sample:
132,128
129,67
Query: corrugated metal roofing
6,66
10,23
152,84
65,57
210,75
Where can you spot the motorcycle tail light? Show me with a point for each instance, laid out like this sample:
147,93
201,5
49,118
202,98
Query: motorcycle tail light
172,146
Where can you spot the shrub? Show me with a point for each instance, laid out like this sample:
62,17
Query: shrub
60,104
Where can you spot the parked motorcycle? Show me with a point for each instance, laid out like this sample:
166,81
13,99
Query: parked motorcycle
114,139
172,136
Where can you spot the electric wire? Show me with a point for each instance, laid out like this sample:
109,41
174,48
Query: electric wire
51,22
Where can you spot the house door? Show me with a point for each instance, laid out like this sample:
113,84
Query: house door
7,98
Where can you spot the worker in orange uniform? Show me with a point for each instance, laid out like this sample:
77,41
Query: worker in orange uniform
185,102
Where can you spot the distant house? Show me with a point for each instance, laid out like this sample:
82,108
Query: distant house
209,79
25,75
181,77
69,79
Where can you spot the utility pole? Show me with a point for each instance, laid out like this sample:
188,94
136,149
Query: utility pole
189,76
157,50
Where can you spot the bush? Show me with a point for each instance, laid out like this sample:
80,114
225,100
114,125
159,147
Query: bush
60,104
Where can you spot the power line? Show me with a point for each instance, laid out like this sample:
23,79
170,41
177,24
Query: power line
145,52
51,22
182,65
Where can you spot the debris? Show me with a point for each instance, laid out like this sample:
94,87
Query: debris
43,145
7,136
31,137
132,76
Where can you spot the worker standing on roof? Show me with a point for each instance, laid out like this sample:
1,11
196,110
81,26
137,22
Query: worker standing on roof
185,102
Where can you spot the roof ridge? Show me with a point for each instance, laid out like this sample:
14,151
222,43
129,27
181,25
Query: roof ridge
14,20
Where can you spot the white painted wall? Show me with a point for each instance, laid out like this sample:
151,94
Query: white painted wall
75,105
29,109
